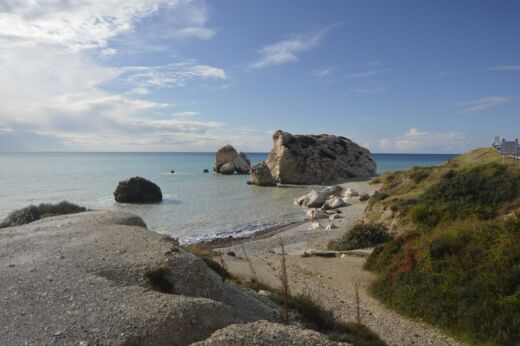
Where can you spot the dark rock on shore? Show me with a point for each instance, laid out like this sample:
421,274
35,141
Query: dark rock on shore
137,190
205,170
317,159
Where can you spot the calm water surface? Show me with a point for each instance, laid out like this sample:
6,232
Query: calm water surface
195,206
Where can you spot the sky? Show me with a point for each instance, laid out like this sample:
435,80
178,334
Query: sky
401,76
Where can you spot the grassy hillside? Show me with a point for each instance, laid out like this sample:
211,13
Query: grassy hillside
456,259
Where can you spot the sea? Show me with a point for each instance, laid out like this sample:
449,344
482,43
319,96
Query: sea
196,206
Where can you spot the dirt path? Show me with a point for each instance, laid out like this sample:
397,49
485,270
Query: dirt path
330,281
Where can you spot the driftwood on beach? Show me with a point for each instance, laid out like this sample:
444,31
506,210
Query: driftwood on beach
330,253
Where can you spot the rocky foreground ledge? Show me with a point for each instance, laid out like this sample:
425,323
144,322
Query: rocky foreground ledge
102,278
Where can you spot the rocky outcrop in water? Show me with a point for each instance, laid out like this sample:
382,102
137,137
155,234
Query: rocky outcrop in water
227,156
261,175
317,159
137,190
102,278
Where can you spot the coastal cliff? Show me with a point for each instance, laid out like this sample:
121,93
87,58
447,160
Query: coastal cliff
454,260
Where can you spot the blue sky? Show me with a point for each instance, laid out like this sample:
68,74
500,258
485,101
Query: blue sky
163,75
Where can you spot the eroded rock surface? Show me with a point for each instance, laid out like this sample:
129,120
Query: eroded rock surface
264,333
317,159
102,278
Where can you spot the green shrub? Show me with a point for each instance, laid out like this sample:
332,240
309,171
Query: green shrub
33,213
362,236
418,175
463,276
376,197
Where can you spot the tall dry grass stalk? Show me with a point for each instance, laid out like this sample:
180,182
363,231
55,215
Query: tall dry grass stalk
357,301
284,280
253,272
222,263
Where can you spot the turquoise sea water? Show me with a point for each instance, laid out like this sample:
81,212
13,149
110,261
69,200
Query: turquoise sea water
195,206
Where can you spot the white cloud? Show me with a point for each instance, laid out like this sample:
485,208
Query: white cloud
90,23
505,68
415,141
415,132
481,104
324,72
287,50
139,91
366,74
176,74
54,92
371,90
186,114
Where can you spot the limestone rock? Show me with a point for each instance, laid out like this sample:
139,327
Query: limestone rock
115,283
316,199
334,203
228,168
261,175
313,214
264,333
242,164
137,190
331,227
334,217
350,193
224,155
317,159
315,226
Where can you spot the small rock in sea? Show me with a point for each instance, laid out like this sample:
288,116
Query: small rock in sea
249,182
172,171
205,170
231,253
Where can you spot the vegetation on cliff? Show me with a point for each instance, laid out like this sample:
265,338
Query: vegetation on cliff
456,260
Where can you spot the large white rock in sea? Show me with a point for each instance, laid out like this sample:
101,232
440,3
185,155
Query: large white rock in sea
317,159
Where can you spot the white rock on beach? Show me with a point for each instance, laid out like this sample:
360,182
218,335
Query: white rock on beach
350,193
331,227
315,226
316,199
313,214
335,203
335,217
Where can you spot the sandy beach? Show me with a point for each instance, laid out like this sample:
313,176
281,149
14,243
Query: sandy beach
329,281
